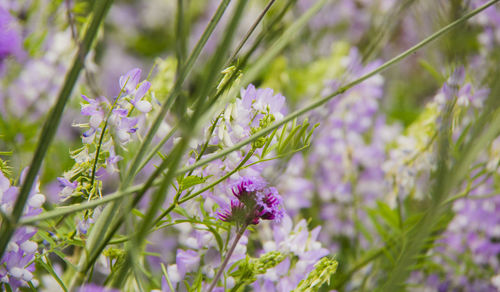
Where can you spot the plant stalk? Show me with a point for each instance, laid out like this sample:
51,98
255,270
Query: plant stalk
228,257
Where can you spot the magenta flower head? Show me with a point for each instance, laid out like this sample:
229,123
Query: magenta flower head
255,201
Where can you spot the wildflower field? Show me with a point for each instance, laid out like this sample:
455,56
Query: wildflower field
250,145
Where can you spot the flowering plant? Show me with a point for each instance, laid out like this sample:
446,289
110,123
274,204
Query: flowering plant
272,145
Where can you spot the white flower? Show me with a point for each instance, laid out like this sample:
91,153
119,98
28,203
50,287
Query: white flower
36,201
29,246
173,274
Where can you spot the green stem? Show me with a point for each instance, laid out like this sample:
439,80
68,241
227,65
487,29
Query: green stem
228,257
251,30
50,127
167,278
158,146
78,207
180,37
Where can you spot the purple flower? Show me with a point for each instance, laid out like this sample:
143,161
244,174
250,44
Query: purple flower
17,265
10,40
129,81
120,110
94,110
142,105
255,202
66,186
186,261
84,225
269,205
456,87
263,100
298,241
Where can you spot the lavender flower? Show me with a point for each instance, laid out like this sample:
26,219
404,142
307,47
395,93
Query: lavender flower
298,242
142,105
16,265
199,248
66,186
186,261
130,80
119,117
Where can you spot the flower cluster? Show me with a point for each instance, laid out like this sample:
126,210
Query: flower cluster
103,116
303,248
17,264
35,89
107,123
256,108
348,149
199,247
254,202
119,111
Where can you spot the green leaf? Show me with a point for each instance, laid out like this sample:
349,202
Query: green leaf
197,281
46,236
390,216
63,257
190,181
50,270
137,213
440,79
181,211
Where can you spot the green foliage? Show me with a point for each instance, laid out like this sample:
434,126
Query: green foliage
323,271
4,167
189,182
163,80
296,81
249,268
